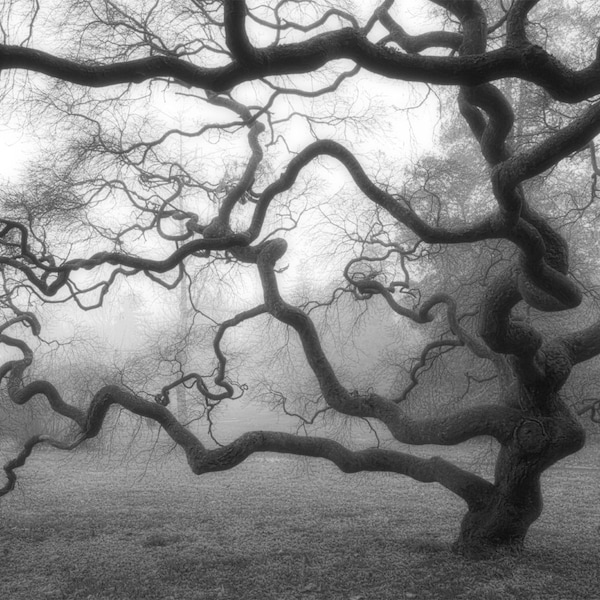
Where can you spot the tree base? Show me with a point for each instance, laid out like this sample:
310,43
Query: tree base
486,550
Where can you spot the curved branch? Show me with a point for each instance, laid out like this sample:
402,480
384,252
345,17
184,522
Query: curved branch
420,364
530,62
21,394
473,21
561,143
472,488
413,44
220,378
544,286
497,421
592,406
247,178
490,227
91,422
582,345
491,420
201,460
516,21
283,24
506,334
236,37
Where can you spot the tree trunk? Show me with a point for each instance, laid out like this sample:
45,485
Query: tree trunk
500,522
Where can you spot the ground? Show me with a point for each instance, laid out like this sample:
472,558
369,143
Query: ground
141,526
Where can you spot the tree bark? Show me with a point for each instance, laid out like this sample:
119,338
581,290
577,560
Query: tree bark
500,522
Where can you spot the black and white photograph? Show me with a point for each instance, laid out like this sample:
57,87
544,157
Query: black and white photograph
299,300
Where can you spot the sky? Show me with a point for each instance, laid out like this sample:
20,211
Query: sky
13,153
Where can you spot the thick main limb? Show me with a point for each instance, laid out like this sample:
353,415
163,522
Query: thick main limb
471,488
527,61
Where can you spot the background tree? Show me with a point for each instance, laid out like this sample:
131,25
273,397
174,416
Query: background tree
189,137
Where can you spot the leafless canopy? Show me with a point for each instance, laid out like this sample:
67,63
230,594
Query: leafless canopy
244,64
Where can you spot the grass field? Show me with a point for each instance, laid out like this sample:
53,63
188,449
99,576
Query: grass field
97,527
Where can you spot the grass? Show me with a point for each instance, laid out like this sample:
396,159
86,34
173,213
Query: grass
95,527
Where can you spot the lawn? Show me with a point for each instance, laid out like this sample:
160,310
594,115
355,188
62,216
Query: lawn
128,527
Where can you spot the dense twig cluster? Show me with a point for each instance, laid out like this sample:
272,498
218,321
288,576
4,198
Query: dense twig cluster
531,417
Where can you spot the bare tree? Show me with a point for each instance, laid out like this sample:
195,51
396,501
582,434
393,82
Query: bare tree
135,208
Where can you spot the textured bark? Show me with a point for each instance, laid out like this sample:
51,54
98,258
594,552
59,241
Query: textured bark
502,521
528,62
530,420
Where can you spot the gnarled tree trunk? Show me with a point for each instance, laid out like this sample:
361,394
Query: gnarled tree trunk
501,520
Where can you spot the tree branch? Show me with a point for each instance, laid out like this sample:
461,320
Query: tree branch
236,37
491,420
473,489
531,63
582,345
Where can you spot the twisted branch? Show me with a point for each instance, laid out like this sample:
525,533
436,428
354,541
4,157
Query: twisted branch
526,61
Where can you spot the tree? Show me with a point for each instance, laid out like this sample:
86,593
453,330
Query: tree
137,197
